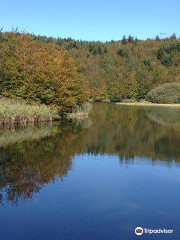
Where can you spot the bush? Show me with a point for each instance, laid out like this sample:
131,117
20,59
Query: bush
142,100
166,93
85,107
128,100
80,111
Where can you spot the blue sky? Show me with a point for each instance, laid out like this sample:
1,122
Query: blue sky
92,19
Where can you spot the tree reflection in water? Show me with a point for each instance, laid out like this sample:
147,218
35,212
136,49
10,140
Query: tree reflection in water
34,156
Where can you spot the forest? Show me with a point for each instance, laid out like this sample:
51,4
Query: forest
124,69
65,73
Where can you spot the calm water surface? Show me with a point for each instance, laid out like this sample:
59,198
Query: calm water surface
95,179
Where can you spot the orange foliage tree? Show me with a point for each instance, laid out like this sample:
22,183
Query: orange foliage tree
39,73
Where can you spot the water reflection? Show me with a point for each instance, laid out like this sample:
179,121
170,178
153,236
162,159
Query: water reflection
38,157
135,131
34,156
165,116
10,135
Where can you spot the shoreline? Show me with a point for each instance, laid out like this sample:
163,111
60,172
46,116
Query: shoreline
144,104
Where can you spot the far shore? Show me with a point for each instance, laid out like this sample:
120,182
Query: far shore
149,104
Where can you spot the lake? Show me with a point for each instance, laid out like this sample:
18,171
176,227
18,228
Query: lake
98,178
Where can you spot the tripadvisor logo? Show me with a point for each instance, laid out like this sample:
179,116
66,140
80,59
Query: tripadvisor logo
139,231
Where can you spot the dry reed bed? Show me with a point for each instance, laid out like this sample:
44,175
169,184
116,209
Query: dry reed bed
18,112
149,104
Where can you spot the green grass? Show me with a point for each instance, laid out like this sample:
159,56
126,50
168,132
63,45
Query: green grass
19,112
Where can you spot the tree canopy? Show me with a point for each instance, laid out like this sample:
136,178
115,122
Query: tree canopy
39,72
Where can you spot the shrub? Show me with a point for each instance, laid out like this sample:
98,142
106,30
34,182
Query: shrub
80,111
142,100
128,100
166,93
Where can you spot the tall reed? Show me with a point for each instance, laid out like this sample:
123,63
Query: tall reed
16,111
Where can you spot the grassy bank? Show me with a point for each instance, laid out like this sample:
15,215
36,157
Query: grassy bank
18,112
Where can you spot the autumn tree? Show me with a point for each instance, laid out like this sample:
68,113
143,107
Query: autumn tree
40,73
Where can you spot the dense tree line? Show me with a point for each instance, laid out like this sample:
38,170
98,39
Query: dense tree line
41,69
130,68
124,69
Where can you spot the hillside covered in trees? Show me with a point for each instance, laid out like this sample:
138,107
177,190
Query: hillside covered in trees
66,72
126,69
